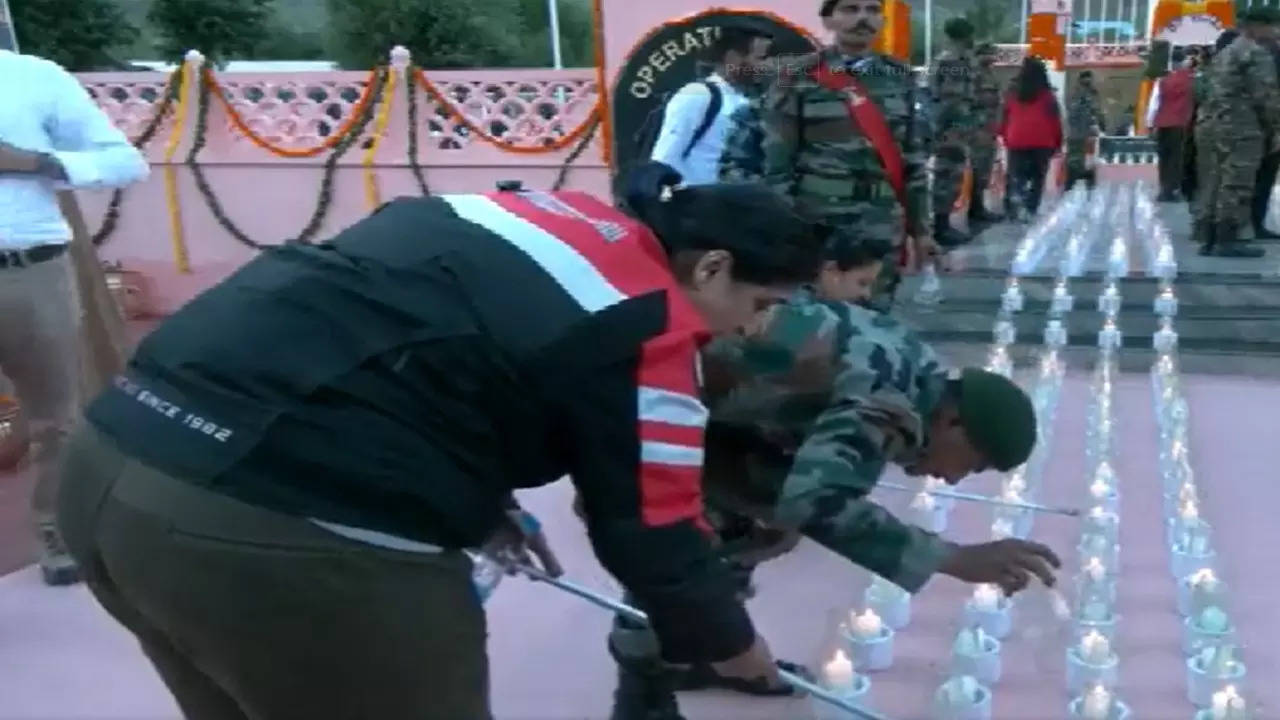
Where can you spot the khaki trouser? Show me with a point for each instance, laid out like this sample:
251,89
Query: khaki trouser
248,614
39,354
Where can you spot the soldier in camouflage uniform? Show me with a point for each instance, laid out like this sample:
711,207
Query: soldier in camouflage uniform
1085,121
1242,112
1202,139
810,151
951,82
801,448
986,119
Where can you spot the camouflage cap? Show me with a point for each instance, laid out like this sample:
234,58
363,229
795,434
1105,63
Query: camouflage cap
998,418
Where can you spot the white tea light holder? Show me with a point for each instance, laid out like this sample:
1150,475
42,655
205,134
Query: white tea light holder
1201,684
996,621
870,654
858,694
1195,637
1184,562
983,663
975,707
890,602
1082,674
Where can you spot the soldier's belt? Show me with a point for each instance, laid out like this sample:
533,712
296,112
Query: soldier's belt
846,190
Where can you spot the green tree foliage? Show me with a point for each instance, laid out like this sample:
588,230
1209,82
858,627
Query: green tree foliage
221,29
577,41
77,34
439,33
458,33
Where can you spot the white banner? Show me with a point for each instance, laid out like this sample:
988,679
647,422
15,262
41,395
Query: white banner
1055,7
8,38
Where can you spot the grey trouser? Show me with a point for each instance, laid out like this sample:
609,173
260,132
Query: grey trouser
249,614
40,355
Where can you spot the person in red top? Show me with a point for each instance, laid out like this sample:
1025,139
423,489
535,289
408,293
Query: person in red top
1169,116
1032,132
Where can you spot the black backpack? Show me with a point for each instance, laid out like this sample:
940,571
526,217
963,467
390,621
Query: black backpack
652,126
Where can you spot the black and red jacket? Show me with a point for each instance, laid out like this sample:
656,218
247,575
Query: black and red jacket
409,375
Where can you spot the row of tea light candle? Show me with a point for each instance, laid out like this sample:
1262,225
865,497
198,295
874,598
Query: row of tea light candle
1215,674
987,616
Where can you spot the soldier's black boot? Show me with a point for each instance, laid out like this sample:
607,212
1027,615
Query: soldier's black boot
646,690
944,234
1227,244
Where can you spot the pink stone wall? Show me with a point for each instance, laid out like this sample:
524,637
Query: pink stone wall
270,198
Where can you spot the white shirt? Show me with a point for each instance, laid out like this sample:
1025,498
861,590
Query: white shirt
680,120
44,108
1153,107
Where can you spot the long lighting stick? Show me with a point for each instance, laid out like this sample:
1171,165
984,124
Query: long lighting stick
638,615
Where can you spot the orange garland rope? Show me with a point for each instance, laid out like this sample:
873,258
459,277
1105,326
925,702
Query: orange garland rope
501,144
328,144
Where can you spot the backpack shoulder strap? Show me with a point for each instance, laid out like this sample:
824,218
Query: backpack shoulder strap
713,110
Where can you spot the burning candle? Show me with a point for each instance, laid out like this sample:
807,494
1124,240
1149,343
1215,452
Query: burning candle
962,692
1099,490
986,598
867,626
970,641
922,502
1016,482
1097,704
1189,512
1011,494
1227,705
1105,475
1204,580
838,674
1095,570
1095,648
1002,529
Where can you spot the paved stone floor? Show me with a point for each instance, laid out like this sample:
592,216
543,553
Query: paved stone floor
64,659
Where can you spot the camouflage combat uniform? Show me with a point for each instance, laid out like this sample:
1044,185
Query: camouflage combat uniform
805,456
800,140
951,82
1241,109
1084,121
986,120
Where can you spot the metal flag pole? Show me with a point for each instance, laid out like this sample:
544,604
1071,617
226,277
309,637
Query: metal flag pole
638,615
8,34
553,13
972,497
928,33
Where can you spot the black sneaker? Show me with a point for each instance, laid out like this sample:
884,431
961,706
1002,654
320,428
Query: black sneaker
56,565
1238,250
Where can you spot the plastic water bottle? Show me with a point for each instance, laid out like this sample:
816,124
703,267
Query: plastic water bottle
930,291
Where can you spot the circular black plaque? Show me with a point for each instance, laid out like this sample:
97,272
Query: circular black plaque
669,57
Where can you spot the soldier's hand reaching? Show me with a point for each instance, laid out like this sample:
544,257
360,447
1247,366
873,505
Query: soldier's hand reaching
1008,563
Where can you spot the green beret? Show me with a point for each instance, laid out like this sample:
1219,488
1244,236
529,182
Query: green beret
1265,15
997,417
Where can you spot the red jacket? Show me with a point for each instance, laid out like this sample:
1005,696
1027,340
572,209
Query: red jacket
1175,101
1029,125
